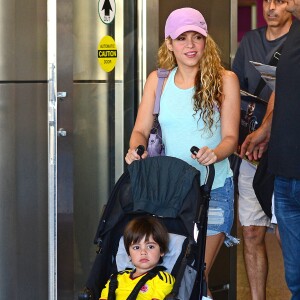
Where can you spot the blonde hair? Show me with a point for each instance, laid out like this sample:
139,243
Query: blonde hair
208,81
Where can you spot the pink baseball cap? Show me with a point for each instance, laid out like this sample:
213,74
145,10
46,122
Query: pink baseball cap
185,19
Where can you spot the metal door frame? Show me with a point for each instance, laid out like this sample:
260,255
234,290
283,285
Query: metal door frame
52,148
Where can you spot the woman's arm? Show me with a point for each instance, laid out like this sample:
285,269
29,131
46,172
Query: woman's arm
230,116
144,120
230,119
269,112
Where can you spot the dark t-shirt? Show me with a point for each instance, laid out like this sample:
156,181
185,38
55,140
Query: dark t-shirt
255,47
284,148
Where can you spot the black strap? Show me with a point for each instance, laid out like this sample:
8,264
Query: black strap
273,62
180,273
113,285
151,274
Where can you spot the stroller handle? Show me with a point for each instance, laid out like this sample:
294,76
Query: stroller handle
140,150
210,176
210,172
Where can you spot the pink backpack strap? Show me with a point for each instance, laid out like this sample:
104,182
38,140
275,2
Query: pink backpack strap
162,74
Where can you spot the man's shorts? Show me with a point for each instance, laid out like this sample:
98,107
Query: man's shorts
250,211
273,220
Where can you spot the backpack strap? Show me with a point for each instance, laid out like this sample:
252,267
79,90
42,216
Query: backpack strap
273,62
161,74
151,274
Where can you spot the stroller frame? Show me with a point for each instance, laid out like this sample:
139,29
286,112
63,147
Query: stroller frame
110,221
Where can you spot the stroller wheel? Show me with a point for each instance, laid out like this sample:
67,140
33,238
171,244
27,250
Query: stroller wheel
86,294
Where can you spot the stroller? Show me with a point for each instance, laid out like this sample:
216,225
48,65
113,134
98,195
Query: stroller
167,188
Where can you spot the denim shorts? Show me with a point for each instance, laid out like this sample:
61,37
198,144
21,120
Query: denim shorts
221,212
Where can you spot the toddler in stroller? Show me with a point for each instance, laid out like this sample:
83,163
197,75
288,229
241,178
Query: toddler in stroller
167,188
146,241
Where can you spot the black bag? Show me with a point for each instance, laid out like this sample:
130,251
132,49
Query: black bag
263,181
263,185
253,107
155,145
253,110
235,163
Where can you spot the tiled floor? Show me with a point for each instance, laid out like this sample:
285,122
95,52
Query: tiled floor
276,286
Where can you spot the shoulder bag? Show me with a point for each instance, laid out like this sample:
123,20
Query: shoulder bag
155,145
263,181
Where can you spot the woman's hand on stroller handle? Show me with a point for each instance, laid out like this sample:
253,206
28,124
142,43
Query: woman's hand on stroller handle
135,154
210,170
205,155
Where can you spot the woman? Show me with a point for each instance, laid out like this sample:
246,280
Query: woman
199,106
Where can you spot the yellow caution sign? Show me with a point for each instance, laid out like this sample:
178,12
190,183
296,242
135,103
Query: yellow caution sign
107,53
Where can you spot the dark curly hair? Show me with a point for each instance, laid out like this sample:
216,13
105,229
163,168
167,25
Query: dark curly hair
146,226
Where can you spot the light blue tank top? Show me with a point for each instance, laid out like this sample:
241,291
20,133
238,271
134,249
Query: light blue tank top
181,129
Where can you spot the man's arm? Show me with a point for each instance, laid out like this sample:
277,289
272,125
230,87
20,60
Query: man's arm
270,108
256,143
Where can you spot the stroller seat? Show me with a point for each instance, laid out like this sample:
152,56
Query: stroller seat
169,189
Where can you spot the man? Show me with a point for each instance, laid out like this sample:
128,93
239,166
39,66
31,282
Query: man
284,145
257,45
